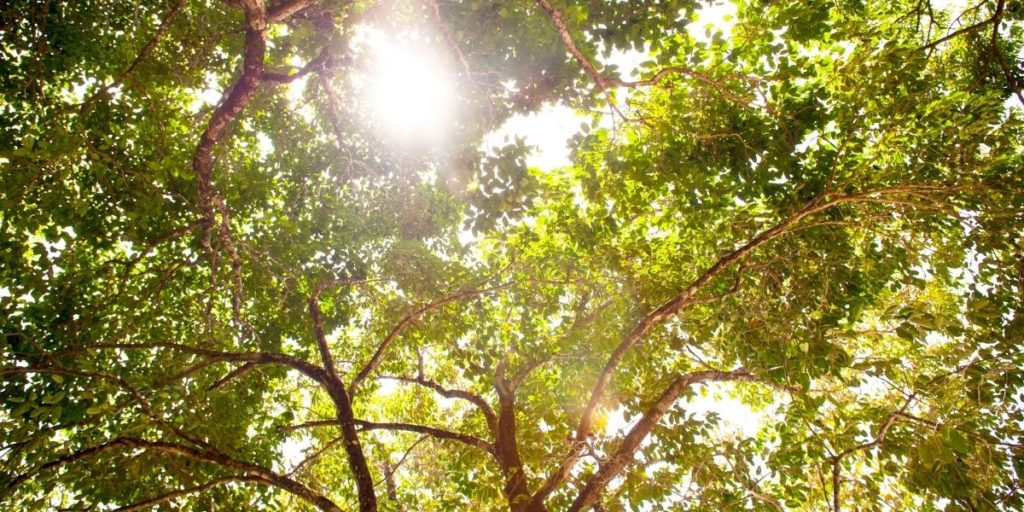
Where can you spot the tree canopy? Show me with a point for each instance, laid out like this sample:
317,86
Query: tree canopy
782,271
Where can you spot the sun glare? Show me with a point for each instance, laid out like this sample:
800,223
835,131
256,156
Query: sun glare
408,86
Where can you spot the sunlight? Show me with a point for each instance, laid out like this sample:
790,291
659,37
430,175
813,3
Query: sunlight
410,89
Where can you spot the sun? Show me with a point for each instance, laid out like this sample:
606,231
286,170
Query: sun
408,86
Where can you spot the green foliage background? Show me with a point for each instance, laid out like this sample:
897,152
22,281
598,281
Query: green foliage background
822,209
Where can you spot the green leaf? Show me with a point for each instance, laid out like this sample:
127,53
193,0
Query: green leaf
956,440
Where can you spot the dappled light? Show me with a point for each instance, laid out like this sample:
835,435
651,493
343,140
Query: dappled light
535,256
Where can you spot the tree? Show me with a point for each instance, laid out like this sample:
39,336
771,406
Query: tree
262,302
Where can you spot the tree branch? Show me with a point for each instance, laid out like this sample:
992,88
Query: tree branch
997,18
234,374
686,298
164,498
143,54
207,455
618,461
408,319
952,35
210,200
343,405
438,433
472,398
285,9
584,62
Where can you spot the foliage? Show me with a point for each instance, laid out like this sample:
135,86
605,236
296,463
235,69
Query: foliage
812,216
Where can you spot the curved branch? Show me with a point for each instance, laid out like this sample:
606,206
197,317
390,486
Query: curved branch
439,433
207,455
1011,81
343,406
234,101
952,35
615,464
472,398
688,297
164,498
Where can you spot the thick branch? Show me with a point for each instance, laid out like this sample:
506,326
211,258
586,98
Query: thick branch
356,458
343,407
202,161
631,443
686,298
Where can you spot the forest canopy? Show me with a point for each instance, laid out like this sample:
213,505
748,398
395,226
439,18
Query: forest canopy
288,255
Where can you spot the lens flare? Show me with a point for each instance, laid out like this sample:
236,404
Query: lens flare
409,88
